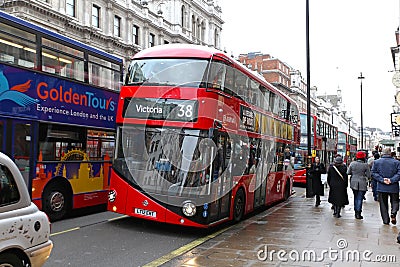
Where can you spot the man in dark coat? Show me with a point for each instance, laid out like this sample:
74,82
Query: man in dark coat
317,168
386,171
338,182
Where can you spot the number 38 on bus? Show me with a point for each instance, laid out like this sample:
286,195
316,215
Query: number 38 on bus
200,139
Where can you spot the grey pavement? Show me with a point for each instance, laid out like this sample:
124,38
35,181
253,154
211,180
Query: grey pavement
296,233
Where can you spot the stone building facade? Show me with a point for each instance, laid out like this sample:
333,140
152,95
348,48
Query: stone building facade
124,27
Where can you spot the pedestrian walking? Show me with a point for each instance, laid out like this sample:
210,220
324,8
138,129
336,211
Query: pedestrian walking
373,181
386,171
338,182
370,160
360,173
317,168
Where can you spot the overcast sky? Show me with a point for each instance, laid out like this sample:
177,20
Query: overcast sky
346,37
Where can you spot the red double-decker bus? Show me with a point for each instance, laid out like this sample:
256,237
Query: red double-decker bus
200,139
347,146
352,148
324,138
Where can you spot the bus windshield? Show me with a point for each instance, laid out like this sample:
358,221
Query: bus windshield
174,162
341,138
167,71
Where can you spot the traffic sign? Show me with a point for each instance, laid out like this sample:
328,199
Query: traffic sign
395,119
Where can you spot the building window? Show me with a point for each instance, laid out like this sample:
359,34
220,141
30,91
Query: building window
203,30
70,8
117,26
151,40
216,38
198,32
183,21
96,16
193,26
135,34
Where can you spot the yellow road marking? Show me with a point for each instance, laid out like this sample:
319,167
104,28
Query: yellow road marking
65,231
78,228
184,249
117,218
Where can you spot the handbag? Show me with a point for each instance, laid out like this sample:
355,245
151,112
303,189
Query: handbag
338,172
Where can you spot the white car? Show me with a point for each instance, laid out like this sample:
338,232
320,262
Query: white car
24,229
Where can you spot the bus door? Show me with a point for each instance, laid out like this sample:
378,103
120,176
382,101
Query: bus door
222,178
260,180
269,169
20,145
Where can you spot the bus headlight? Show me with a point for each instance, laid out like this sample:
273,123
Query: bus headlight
189,209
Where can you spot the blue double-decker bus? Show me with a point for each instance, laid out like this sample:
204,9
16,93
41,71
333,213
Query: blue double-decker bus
58,99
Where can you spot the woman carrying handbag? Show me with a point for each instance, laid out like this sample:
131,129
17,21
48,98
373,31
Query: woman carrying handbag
338,182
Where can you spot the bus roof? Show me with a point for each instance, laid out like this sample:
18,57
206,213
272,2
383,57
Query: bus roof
179,50
6,16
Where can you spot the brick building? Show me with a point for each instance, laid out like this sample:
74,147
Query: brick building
272,69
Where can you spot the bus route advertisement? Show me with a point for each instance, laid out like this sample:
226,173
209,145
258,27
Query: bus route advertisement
33,95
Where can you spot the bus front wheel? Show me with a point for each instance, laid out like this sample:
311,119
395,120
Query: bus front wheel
238,206
55,202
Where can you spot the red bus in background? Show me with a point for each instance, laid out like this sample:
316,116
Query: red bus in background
347,147
352,148
324,141
200,139
343,146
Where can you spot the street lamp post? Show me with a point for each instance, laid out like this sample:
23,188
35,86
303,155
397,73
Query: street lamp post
349,124
361,77
309,157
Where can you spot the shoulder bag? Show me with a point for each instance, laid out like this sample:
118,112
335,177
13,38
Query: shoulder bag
338,172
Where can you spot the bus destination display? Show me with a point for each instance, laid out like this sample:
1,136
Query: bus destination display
161,109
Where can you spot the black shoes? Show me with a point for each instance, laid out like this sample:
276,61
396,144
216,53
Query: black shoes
336,211
358,215
393,218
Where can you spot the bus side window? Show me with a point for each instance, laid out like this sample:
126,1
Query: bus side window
254,93
217,75
229,81
272,97
240,84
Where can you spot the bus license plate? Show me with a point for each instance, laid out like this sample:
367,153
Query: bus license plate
147,213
